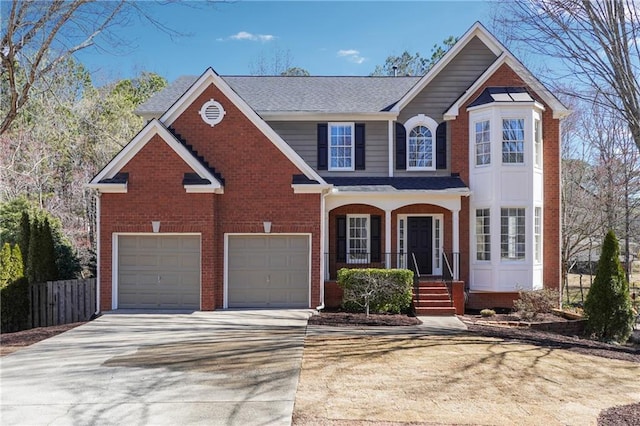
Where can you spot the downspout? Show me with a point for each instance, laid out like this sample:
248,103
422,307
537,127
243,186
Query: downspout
97,253
322,248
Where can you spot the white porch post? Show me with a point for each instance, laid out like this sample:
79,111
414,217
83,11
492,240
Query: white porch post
325,236
387,238
456,244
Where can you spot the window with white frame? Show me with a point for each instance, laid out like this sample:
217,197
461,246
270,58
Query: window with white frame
483,142
537,141
513,140
341,146
537,233
483,234
358,239
512,234
420,148
437,256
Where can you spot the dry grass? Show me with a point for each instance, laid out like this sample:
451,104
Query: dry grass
456,380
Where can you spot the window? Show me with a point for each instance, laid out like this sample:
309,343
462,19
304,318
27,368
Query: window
358,239
420,148
341,146
512,238
483,143
537,232
537,140
483,234
513,141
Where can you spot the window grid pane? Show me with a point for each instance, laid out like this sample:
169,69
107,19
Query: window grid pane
420,148
538,143
513,140
483,143
358,239
341,146
537,231
512,233
483,234
436,249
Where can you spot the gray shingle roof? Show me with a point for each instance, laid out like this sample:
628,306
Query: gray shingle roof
299,94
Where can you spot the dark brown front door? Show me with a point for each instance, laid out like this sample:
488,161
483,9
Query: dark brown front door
420,233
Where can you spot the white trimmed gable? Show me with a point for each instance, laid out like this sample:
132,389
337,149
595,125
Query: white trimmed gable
503,56
210,77
153,128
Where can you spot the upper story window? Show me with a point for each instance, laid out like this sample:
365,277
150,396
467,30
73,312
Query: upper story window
421,143
537,141
513,141
483,142
420,148
341,146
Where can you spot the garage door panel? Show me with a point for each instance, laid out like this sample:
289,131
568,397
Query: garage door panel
268,271
159,272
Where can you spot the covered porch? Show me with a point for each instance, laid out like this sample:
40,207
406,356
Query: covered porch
386,226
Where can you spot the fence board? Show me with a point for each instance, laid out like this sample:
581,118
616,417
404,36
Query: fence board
62,302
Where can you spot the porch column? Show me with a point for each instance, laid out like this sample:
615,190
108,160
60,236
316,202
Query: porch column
387,238
325,236
456,243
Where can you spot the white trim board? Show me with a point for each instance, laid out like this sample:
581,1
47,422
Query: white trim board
127,153
210,77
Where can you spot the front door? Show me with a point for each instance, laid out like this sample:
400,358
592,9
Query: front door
420,233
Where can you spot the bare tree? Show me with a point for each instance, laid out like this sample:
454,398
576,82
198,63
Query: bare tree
37,36
617,173
597,41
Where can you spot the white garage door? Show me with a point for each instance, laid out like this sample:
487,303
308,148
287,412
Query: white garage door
159,272
268,271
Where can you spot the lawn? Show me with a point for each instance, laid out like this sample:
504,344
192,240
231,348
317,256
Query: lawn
460,379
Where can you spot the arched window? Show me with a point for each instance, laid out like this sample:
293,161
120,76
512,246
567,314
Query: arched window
421,132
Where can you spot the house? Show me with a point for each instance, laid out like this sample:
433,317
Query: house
253,191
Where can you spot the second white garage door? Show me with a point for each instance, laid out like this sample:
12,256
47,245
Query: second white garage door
268,271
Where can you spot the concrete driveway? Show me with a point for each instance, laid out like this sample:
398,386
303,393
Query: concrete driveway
220,368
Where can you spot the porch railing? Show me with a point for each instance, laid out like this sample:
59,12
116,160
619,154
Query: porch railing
333,262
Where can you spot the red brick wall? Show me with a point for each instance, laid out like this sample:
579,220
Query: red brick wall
257,188
505,76
156,193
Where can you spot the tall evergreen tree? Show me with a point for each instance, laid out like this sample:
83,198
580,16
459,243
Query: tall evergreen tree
25,230
17,263
608,305
48,258
5,265
35,252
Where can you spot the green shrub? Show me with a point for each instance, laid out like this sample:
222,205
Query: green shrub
487,313
14,306
608,305
376,290
532,303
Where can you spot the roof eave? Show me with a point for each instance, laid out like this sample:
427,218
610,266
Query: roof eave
327,116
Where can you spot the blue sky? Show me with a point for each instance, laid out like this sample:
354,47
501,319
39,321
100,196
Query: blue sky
325,38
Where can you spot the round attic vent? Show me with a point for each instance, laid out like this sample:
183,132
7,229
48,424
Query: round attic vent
212,112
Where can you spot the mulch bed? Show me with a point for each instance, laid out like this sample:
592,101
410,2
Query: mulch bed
621,415
347,319
11,342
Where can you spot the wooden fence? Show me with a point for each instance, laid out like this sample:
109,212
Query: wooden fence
62,302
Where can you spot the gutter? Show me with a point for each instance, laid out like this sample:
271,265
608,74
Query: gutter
322,258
